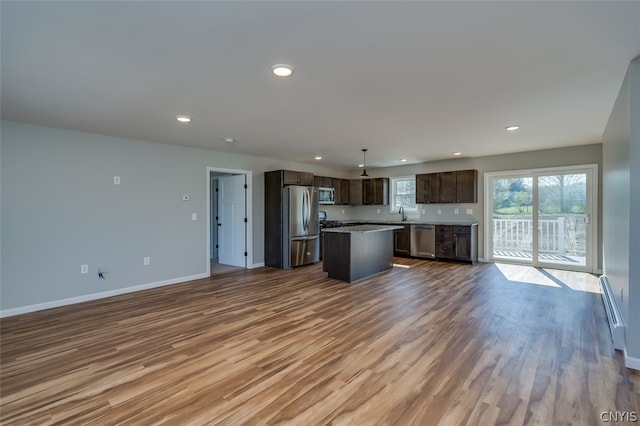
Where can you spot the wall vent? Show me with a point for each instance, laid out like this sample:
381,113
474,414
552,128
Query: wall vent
613,314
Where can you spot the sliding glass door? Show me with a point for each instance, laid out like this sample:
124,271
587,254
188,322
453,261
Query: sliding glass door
543,217
512,218
563,219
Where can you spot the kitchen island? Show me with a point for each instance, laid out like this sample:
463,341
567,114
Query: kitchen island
355,252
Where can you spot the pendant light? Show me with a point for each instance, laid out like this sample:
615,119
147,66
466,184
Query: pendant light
364,163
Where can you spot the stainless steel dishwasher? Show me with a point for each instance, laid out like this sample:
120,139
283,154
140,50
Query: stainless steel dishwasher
423,241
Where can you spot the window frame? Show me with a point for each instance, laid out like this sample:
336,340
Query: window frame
392,193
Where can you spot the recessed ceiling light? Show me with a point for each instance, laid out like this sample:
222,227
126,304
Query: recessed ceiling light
360,165
456,153
282,70
512,127
404,160
317,157
229,140
183,118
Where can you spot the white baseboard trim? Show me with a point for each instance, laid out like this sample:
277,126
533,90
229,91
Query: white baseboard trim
256,265
631,362
94,296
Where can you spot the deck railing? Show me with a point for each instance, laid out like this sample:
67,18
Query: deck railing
517,235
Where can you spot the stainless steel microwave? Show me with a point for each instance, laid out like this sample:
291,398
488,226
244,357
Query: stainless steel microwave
326,196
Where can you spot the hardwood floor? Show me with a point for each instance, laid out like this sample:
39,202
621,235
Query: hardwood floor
432,344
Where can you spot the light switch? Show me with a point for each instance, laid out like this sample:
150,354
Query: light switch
469,211
194,216
84,269
116,180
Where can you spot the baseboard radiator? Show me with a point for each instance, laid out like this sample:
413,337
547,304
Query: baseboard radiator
613,314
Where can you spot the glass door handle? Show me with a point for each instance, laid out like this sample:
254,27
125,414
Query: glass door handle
587,219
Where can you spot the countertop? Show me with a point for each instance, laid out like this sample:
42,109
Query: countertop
362,229
408,222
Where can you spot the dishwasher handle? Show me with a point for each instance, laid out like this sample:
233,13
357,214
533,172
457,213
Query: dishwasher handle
423,227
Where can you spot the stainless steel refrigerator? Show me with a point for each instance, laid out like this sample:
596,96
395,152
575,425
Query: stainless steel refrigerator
301,239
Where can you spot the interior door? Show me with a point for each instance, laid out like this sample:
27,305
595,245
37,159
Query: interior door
231,223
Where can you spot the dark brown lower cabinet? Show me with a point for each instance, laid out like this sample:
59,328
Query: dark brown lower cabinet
402,241
457,242
444,242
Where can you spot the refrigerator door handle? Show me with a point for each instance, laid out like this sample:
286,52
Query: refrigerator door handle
307,238
305,211
308,209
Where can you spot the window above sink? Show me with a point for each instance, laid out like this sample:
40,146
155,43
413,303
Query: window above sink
403,194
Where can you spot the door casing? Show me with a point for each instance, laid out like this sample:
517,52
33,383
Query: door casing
592,211
248,209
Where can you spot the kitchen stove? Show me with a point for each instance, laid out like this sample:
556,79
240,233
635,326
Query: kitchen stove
330,224
324,223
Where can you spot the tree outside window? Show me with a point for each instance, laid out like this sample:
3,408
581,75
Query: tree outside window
403,193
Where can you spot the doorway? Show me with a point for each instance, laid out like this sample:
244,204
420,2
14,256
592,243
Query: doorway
229,246
543,217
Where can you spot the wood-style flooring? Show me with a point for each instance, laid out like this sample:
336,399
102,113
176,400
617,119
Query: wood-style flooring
432,344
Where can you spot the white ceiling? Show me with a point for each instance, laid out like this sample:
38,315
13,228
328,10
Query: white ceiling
415,80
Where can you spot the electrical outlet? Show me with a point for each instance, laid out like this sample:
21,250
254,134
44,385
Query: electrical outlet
439,211
378,211
146,261
116,180
194,216
456,211
342,211
469,211
84,269
423,211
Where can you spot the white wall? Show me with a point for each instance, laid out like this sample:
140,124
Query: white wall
60,209
621,210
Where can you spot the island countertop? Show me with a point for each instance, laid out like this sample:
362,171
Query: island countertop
355,252
362,229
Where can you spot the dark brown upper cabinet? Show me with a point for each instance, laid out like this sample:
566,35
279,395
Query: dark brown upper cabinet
355,192
376,191
467,186
428,188
369,191
342,191
290,177
447,187
322,181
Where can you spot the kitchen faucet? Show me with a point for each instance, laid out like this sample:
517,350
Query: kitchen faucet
404,216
